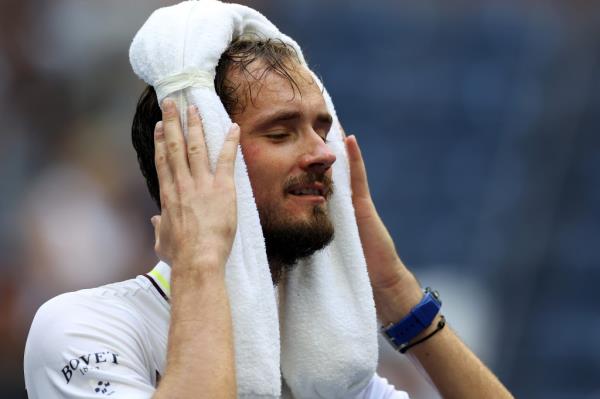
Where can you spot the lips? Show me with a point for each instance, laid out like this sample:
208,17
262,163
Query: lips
312,189
309,186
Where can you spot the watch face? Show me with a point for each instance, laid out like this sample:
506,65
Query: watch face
434,293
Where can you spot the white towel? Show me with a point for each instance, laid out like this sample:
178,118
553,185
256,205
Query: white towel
327,347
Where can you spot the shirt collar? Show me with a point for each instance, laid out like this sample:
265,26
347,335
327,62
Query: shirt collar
161,275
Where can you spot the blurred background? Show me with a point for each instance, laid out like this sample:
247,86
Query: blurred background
478,120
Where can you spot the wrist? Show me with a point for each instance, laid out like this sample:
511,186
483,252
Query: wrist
194,285
395,301
198,270
414,328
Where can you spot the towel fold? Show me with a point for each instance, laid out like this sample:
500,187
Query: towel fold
327,346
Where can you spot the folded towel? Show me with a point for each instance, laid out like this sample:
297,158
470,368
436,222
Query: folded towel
327,346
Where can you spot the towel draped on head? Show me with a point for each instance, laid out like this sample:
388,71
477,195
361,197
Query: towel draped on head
324,341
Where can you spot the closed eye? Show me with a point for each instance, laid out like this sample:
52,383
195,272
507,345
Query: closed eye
277,136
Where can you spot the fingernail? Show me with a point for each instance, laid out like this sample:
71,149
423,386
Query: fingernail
168,104
158,130
235,127
193,110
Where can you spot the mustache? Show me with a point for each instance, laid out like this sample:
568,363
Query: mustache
310,178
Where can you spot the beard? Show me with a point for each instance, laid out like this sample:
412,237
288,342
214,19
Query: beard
288,240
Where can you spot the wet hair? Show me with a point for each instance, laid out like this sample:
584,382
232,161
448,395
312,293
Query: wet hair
275,57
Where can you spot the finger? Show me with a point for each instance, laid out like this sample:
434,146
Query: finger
358,173
161,163
174,139
196,146
226,161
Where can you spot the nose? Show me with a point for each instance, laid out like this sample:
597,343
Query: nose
318,157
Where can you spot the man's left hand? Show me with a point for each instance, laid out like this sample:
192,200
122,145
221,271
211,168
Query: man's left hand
394,287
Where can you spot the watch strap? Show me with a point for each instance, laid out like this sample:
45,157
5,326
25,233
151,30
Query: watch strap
420,317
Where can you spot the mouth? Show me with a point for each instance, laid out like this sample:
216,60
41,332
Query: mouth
309,190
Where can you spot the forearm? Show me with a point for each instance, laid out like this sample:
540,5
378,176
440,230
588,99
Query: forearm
447,362
200,354
444,359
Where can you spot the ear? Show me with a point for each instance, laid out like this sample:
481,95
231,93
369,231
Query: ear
155,220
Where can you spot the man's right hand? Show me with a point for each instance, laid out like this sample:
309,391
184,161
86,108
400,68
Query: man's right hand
194,234
198,208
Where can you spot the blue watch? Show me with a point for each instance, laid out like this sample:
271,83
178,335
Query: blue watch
420,317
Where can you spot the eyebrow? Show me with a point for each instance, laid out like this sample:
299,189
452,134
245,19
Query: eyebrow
286,116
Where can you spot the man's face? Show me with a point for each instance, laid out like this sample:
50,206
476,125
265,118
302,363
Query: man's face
283,135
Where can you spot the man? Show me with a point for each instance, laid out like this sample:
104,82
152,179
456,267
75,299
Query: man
118,343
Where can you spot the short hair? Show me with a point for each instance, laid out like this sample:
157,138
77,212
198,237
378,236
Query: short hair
276,56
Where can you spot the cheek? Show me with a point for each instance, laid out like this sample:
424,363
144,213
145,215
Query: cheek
259,170
252,157
251,152
263,160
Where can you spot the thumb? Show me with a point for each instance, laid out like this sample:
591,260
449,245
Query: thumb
226,161
358,173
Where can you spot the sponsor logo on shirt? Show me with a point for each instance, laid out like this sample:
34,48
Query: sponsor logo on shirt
104,388
83,363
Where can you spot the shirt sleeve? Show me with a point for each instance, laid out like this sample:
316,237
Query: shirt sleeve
379,388
86,347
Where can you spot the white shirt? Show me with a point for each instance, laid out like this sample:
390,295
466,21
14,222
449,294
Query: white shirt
111,341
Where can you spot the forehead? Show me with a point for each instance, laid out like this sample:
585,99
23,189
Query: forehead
260,90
